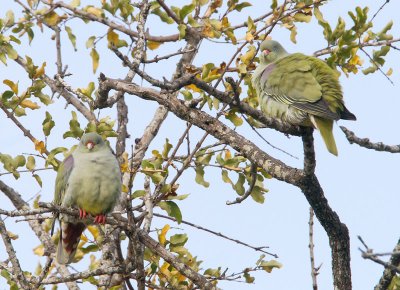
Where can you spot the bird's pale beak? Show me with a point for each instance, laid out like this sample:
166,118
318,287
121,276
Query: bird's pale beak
90,145
266,51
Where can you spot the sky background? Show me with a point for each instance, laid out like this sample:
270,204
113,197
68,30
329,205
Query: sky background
361,185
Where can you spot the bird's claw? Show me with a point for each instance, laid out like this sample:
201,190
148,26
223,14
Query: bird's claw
100,219
82,213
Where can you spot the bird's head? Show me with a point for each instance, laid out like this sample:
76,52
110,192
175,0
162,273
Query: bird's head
91,142
271,51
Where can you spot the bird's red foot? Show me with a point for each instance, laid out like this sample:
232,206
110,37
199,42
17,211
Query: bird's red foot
82,213
100,219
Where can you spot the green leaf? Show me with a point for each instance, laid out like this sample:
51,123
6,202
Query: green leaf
242,5
48,124
301,17
239,185
225,177
90,248
248,278
71,36
200,176
172,209
235,119
257,194
74,128
213,272
38,179
138,193
268,266
31,163
19,161
90,41
186,10
88,90
178,239
182,31
167,147
163,16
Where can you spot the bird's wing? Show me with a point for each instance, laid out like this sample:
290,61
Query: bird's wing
63,173
291,80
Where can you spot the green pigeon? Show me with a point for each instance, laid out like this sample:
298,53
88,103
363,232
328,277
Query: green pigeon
89,179
300,90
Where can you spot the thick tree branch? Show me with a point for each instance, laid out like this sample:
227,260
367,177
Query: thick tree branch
214,127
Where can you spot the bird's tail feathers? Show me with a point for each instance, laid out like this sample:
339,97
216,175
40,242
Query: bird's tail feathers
347,115
70,235
325,127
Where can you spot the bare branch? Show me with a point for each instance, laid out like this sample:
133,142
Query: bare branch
85,15
314,270
26,132
364,142
17,272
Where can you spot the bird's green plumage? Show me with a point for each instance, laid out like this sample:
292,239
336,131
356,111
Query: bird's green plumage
299,89
90,180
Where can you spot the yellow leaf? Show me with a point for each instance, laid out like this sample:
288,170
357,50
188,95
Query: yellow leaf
293,34
228,154
52,18
29,104
153,44
249,55
249,36
193,88
94,231
125,188
389,72
39,146
75,3
95,59
164,270
39,250
95,11
125,164
12,235
161,237
13,86
112,38
40,71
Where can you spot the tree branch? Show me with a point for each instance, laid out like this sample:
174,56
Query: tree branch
17,272
364,142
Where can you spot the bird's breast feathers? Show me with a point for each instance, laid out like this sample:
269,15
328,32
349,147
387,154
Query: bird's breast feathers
95,182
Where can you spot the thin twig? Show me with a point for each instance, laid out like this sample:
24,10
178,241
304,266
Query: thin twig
258,249
366,143
253,174
314,271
